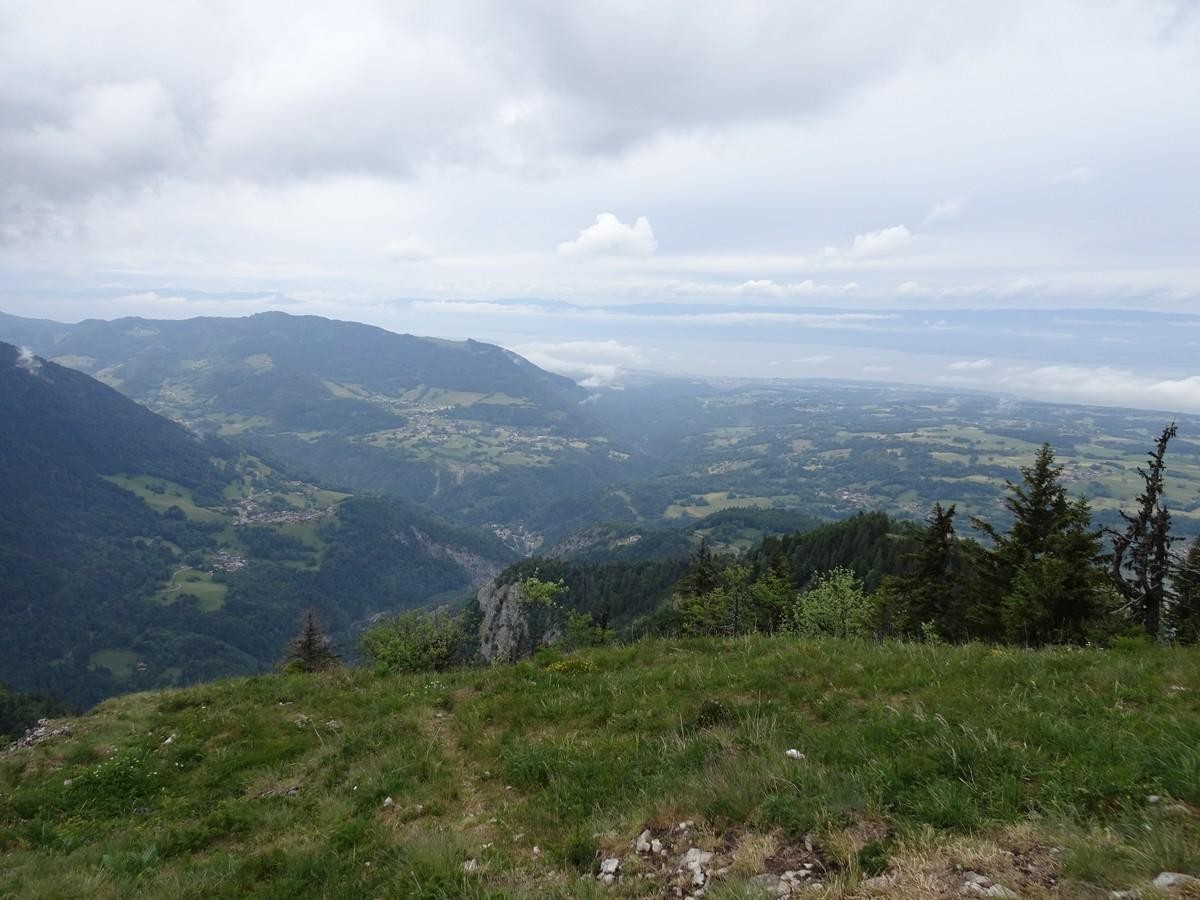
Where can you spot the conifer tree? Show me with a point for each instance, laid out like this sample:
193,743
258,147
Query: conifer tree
703,577
1039,582
310,650
1141,559
929,593
1184,613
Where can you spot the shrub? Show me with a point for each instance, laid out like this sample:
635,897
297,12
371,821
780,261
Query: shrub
535,591
572,665
581,630
833,606
712,712
413,642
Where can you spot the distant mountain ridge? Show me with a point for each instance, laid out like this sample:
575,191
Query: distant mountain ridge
470,429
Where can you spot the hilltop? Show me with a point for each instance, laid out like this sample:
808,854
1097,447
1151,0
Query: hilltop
1060,772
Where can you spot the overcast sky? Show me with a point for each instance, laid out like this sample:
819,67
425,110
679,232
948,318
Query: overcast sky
412,164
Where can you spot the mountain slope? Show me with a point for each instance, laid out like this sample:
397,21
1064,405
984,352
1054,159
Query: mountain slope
468,428
920,763
134,553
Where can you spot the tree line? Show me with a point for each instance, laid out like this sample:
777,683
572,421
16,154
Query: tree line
1052,577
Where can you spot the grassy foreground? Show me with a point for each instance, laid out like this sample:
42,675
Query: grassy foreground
1032,768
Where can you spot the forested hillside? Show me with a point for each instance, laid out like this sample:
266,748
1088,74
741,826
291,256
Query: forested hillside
134,553
467,428
480,435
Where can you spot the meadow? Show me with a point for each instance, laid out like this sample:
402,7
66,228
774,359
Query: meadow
1057,772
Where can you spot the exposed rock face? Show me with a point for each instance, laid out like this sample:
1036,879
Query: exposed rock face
478,569
511,629
504,629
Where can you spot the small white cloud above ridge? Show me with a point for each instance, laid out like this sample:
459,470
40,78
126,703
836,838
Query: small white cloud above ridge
612,237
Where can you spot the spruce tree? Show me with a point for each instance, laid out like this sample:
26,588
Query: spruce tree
703,577
1141,563
1184,613
1039,582
929,594
310,650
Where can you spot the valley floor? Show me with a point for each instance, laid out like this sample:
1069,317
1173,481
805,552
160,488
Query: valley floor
919,771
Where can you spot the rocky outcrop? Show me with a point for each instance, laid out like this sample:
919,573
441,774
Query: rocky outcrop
45,730
479,569
508,630
503,628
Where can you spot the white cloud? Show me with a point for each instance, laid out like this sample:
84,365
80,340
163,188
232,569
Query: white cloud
1107,385
27,361
884,242
592,363
409,249
944,211
768,288
970,365
878,370
909,289
610,236
813,360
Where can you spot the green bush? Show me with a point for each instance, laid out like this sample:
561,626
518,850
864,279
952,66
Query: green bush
572,665
413,642
834,605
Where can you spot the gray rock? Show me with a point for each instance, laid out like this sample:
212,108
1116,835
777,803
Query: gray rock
976,878
694,861
772,885
1166,881
609,869
999,890
642,844
878,883
40,733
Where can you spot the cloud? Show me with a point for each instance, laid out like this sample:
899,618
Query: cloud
970,365
592,363
813,360
884,242
610,236
99,134
909,289
409,249
1107,385
944,211
27,361
480,307
878,370
768,288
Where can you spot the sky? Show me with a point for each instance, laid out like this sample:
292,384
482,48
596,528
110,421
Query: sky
986,195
